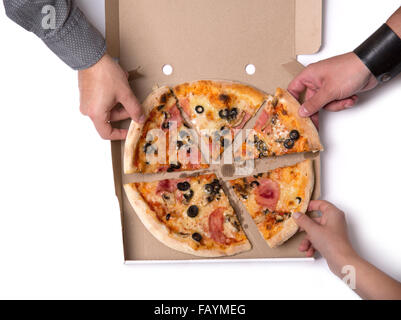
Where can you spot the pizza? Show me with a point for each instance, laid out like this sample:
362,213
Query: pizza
271,198
165,142
279,130
217,108
192,215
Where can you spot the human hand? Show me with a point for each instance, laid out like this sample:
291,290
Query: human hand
102,87
332,84
327,234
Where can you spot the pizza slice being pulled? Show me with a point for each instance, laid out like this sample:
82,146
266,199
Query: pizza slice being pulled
279,130
271,198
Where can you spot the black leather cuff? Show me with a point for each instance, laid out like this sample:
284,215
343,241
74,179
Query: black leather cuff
381,53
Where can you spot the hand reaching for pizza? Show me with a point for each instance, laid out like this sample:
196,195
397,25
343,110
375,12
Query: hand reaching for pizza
101,87
328,235
332,84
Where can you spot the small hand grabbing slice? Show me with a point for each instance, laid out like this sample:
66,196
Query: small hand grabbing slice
147,148
279,130
271,199
216,108
191,215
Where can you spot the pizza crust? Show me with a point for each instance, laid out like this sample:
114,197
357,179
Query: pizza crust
306,124
290,227
161,232
239,88
135,129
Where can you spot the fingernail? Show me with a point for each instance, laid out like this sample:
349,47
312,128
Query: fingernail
296,215
303,112
142,119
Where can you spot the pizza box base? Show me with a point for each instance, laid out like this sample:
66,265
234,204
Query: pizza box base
209,40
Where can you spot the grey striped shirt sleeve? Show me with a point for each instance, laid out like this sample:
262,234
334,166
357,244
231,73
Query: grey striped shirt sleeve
63,28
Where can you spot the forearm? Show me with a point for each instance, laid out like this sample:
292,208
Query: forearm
63,28
370,282
394,22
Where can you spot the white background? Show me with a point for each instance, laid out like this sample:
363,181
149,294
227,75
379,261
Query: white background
60,232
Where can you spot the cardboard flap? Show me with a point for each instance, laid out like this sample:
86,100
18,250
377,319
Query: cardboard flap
308,26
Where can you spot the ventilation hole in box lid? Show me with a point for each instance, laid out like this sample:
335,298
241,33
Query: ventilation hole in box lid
250,69
167,69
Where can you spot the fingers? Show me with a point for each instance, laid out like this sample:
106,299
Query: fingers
107,132
321,98
322,206
305,245
306,223
339,105
132,105
311,252
118,114
315,120
296,87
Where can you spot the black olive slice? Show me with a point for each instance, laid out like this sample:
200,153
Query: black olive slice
233,114
197,237
166,125
261,146
174,167
254,184
299,200
223,114
147,148
199,109
168,216
209,188
188,196
294,135
183,186
289,143
192,211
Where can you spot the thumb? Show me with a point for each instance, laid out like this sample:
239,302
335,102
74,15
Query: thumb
315,103
132,105
306,223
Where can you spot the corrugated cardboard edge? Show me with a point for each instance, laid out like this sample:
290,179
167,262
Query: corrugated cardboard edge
305,28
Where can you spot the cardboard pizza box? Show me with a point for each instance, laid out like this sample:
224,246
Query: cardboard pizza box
255,42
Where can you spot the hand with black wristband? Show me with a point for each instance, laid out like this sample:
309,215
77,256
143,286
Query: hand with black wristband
333,84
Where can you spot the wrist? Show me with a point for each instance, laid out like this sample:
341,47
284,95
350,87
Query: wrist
345,256
381,53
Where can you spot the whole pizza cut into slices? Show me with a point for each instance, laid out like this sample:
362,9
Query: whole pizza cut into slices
271,199
216,108
164,143
279,130
192,215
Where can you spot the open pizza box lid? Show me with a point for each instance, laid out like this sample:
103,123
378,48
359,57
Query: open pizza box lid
209,39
